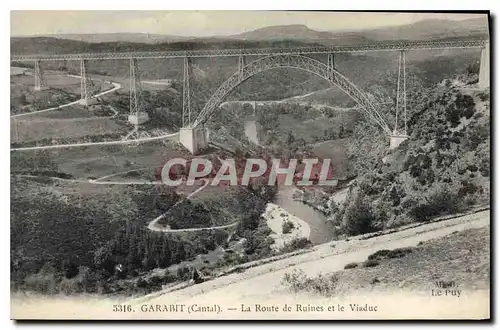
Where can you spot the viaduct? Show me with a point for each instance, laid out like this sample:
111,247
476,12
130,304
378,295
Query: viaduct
193,134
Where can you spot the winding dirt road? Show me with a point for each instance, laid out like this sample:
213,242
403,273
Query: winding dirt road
154,226
260,288
116,87
87,144
263,283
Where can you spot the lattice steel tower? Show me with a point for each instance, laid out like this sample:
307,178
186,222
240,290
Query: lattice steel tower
137,115
85,83
186,94
40,83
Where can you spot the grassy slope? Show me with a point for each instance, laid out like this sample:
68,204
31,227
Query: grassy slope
61,90
97,161
463,257
34,130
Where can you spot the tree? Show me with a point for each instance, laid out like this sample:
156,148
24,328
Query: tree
341,132
287,227
247,108
103,259
22,99
472,68
358,217
330,133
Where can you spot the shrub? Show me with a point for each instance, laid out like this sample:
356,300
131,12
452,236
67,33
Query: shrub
154,282
469,112
141,283
70,270
483,96
183,273
68,287
298,281
85,281
43,283
358,217
287,227
351,265
295,280
370,263
296,244
472,68
389,254
440,201
380,254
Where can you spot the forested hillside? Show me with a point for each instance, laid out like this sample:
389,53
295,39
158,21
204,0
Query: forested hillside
443,168
90,238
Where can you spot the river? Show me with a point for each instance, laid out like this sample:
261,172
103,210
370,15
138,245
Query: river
321,232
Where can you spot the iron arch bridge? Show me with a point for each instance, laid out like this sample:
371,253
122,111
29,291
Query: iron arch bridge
327,72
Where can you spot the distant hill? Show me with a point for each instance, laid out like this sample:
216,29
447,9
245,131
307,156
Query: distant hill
426,29
431,29
45,45
272,36
299,32
50,45
145,38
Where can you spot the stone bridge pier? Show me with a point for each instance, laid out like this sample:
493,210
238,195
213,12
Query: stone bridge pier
396,140
484,67
194,139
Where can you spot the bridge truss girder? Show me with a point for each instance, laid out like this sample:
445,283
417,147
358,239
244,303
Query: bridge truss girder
386,46
291,61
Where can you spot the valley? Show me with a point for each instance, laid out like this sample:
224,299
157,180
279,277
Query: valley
91,216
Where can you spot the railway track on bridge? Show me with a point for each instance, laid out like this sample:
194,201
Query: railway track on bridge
385,46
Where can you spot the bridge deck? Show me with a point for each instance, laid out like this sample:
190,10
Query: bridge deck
386,46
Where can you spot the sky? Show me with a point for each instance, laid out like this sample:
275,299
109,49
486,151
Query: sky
203,23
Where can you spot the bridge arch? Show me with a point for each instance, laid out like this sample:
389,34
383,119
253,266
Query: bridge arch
297,62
